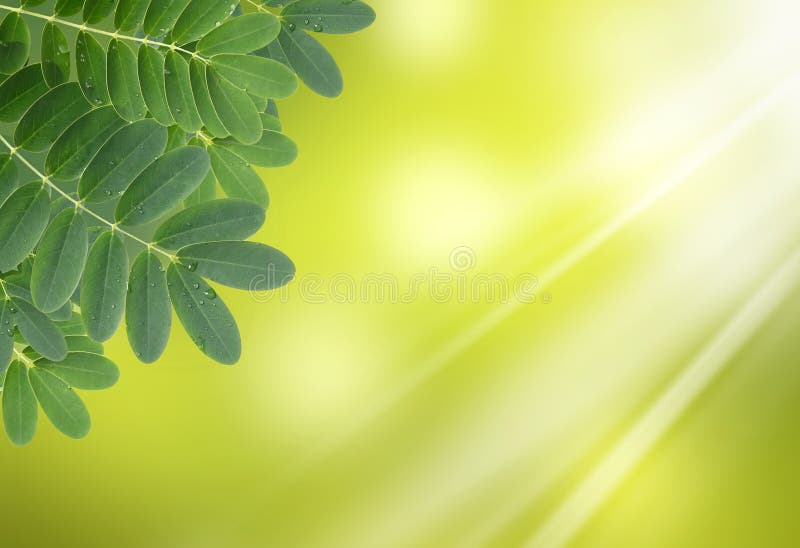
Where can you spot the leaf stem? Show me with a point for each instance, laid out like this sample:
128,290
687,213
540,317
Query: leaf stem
79,204
258,6
115,35
24,359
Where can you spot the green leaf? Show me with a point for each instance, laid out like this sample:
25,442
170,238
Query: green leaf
64,312
104,285
241,34
23,218
243,265
234,107
162,186
258,75
203,315
161,16
83,370
55,55
8,176
207,190
148,314
95,11
260,102
236,177
49,116
124,156
270,122
130,14
199,17
272,150
309,59
329,16
123,81
20,91
15,43
77,146
272,109
20,413
6,335
75,343
73,327
179,93
40,332
60,403
151,79
68,7
202,98
59,262
90,61
16,285
176,138
80,343
227,219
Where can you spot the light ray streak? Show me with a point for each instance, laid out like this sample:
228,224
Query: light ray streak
689,165
579,507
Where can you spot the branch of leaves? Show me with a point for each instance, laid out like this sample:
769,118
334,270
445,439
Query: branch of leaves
64,359
223,95
296,48
207,238
78,262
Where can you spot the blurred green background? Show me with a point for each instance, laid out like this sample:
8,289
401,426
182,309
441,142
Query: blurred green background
639,158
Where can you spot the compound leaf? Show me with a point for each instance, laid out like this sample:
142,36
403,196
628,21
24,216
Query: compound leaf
95,11
49,116
6,335
258,75
55,55
20,413
235,109
39,330
329,16
84,370
23,219
124,156
60,403
179,93
241,34
236,177
67,7
9,175
151,79
59,262
203,315
130,14
206,190
90,61
273,149
20,91
161,16
148,314
309,59
202,98
226,219
72,152
243,265
199,17
123,81
162,185
15,43
104,285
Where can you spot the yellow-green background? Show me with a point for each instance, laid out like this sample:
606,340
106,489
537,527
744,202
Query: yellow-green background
520,129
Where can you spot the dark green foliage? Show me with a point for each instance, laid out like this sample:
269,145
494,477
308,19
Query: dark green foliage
113,146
